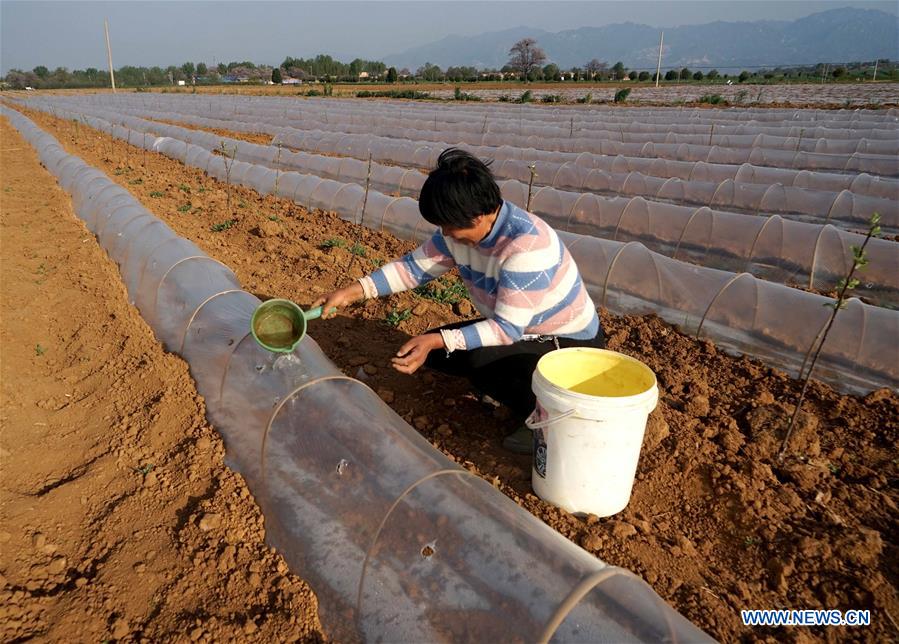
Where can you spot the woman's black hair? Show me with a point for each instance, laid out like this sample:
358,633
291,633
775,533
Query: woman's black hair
458,190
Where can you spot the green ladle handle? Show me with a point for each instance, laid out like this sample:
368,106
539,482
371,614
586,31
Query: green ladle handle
314,314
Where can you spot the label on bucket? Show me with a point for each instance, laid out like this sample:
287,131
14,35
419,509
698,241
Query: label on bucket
540,452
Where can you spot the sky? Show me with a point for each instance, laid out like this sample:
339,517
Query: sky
70,34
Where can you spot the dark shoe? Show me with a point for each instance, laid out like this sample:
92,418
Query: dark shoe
521,441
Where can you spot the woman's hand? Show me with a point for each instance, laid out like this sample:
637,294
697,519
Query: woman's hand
414,353
339,298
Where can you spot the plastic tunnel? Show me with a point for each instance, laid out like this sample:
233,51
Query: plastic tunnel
398,542
684,293
727,242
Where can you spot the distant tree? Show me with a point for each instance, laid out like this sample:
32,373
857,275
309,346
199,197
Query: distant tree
644,76
41,72
576,74
551,72
202,70
405,73
594,67
838,71
391,75
277,79
712,75
684,74
743,76
634,75
525,57
618,70
697,75
222,68
670,75
188,69
429,72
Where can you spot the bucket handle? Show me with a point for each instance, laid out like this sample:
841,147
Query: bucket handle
535,424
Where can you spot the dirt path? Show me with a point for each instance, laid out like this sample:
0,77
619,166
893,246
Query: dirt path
716,524
118,519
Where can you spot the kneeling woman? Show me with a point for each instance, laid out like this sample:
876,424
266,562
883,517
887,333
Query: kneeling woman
520,276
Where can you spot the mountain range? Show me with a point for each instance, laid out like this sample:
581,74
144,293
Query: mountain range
836,35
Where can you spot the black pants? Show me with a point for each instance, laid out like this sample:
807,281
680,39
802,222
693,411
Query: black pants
503,372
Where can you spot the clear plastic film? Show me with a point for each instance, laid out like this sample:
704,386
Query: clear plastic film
776,250
341,484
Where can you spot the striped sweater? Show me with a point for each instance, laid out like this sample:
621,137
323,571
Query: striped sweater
521,278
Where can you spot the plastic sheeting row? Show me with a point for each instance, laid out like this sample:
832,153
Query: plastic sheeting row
738,312
423,153
399,542
878,164
769,248
796,123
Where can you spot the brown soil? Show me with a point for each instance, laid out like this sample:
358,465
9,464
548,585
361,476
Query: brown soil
716,522
119,519
253,137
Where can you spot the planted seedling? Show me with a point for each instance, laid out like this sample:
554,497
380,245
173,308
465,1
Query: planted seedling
278,168
395,317
136,182
39,350
221,226
184,188
157,194
358,249
533,169
362,216
274,218
859,261
377,262
334,242
185,208
229,163
442,290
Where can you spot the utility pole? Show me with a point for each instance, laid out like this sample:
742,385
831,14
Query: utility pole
659,66
874,80
109,54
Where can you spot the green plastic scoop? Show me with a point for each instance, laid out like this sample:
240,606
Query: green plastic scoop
279,325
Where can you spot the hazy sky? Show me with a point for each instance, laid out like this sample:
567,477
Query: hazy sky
70,34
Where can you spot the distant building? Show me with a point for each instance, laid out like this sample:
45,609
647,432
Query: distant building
291,81
363,74
181,83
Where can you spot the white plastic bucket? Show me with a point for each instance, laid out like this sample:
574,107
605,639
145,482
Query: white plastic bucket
592,407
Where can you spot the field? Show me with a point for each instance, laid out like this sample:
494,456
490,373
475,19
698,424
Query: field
809,94
717,522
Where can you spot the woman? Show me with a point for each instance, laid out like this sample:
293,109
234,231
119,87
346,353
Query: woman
520,276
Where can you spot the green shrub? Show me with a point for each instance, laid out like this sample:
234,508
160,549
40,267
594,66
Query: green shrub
526,97
551,98
392,93
225,225
712,99
334,242
622,94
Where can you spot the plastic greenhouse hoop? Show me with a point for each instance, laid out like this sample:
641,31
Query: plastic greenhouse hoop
281,403
580,591
374,541
834,203
758,236
197,310
605,283
683,231
726,286
181,261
